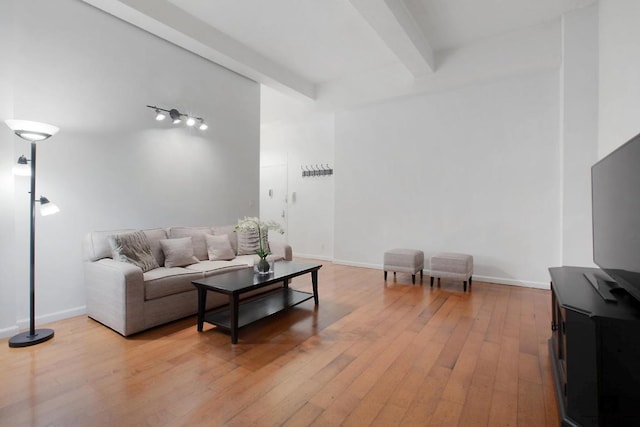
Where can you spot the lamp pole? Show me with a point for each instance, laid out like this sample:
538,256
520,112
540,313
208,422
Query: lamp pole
32,246
32,131
33,336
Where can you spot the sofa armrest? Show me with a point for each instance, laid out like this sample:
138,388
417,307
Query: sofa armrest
281,249
115,294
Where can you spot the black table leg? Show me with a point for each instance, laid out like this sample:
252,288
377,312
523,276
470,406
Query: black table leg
314,282
235,299
202,304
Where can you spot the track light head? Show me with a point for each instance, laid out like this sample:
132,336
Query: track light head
191,121
175,115
160,115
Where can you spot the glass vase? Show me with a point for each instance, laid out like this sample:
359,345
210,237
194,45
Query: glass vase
263,266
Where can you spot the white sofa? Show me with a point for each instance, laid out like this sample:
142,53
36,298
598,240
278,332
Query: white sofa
122,297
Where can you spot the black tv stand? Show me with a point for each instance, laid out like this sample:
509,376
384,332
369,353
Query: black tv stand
595,351
604,286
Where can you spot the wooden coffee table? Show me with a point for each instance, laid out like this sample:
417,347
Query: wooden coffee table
235,283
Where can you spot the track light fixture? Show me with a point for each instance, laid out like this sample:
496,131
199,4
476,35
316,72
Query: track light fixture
177,117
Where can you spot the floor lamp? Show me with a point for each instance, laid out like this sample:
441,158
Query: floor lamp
33,132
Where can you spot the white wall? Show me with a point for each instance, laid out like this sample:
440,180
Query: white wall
7,288
579,96
474,170
307,141
619,90
510,123
112,166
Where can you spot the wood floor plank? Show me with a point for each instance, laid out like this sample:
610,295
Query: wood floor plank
530,399
462,373
305,416
477,406
380,365
507,376
447,413
372,353
504,409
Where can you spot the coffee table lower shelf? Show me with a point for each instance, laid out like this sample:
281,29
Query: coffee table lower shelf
260,307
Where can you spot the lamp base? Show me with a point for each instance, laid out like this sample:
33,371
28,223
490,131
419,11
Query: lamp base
25,339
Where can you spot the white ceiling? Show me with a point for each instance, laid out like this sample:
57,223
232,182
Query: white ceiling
295,45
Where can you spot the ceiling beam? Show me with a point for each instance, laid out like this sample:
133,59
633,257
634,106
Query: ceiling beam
167,21
398,29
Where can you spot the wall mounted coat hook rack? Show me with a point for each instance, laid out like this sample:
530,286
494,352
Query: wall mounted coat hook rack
315,170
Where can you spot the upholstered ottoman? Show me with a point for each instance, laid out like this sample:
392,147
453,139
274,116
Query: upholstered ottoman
452,266
405,261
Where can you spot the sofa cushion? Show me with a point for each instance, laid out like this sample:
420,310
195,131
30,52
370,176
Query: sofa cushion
249,243
163,281
211,266
178,252
133,248
197,235
231,234
154,236
219,248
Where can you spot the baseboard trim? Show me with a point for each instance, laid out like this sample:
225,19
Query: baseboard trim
23,324
357,264
309,256
512,282
9,332
490,279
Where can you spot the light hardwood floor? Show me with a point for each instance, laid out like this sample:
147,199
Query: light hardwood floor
370,354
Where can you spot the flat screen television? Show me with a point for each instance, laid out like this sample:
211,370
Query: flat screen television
615,192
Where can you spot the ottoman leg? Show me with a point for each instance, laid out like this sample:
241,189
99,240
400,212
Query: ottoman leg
431,281
413,279
421,271
470,277
464,285
385,275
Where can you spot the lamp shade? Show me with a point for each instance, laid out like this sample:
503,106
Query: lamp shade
47,208
22,167
32,131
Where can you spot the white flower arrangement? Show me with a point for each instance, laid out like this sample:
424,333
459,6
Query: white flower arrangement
252,224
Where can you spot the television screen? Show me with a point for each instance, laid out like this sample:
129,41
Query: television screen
615,182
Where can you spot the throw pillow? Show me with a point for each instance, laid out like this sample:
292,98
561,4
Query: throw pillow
219,248
178,252
197,238
154,236
229,230
248,242
133,248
